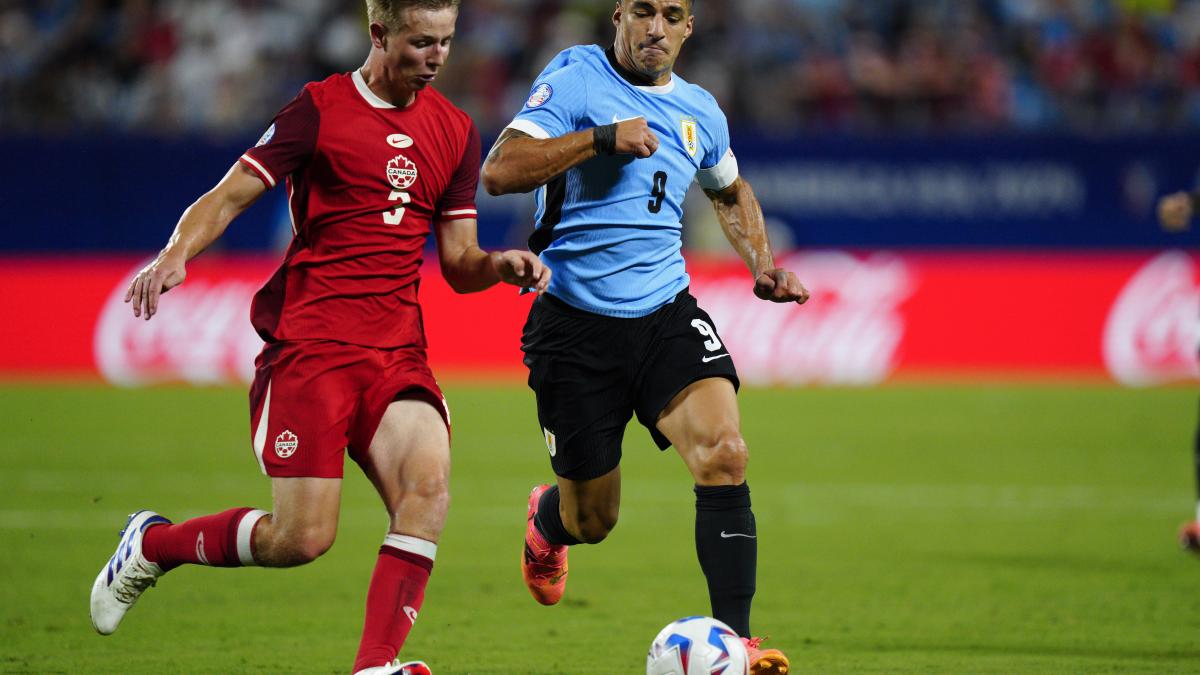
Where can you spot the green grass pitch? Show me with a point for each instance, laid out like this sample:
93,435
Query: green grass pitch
907,529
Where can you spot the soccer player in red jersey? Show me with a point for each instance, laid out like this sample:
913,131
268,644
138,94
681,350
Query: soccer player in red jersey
371,160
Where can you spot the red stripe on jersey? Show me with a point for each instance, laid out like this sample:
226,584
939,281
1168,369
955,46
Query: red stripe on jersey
457,214
258,169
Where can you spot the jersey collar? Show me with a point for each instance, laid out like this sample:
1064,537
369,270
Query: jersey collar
371,98
637,79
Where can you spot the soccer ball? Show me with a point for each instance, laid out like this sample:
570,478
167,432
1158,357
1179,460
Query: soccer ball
697,645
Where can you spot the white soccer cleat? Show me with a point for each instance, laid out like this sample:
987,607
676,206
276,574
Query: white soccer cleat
126,575
397,668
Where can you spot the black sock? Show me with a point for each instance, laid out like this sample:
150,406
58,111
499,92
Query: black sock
727,546
549,522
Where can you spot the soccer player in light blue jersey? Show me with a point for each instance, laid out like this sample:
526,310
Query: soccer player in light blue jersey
611,140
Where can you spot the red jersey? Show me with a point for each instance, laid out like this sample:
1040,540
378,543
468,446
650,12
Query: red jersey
365,181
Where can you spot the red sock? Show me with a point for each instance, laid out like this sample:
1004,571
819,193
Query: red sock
219,540
394,598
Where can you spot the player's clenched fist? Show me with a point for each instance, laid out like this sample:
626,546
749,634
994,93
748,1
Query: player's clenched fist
522,268
780,285
1174,211
634,137
161,275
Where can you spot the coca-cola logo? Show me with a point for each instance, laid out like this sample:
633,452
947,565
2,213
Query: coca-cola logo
1153,329
201,335
848,333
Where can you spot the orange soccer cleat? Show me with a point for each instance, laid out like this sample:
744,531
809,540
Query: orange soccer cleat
543,564
765,661
1189,536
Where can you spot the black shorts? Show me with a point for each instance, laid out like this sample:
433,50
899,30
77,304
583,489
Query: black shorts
591,373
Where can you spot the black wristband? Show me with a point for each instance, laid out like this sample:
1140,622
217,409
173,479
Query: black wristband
604,139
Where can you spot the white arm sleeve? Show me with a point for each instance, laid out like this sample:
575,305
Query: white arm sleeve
721,176
529,128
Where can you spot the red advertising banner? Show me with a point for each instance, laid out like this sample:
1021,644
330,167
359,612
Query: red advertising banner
1131,317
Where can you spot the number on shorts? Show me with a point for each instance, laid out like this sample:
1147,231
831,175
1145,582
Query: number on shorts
713,343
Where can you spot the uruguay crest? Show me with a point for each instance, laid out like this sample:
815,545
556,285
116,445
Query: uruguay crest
691,137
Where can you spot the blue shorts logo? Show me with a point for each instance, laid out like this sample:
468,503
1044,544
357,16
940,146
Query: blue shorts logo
540,95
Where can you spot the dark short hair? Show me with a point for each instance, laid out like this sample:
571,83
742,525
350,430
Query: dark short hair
691,4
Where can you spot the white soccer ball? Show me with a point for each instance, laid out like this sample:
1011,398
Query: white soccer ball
697,645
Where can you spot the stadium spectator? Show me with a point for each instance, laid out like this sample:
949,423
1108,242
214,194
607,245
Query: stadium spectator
855,65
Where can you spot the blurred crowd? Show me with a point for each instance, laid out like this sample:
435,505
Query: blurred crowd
781,66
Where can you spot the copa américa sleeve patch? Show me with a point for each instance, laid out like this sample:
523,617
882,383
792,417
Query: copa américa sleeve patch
541,94
266,137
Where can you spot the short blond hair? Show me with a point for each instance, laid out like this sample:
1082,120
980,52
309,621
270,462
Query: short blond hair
390,13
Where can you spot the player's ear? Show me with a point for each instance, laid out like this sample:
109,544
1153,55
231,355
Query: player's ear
691,25
379,35
616,19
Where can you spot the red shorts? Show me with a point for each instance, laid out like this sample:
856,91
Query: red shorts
312,399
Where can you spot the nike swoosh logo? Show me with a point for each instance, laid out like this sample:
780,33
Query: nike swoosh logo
737,534
410,613
713,358
618,119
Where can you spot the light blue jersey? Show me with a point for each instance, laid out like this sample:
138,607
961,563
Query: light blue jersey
609,229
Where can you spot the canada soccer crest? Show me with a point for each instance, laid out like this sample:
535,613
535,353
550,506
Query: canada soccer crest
286,444
691,137
401,172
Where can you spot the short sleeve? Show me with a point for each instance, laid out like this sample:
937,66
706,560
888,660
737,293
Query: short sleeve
288,143
458,201
556,104
718,167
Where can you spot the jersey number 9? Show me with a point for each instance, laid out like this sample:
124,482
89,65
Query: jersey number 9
659,192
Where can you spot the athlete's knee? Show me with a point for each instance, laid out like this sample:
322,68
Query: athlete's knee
431,488
307,543
428,496
592,525
312,542
291,544
721,458
421,503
